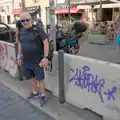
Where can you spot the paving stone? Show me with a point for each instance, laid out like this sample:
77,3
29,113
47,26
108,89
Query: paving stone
14,107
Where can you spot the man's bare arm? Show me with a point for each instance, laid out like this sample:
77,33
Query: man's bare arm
19,50
17,32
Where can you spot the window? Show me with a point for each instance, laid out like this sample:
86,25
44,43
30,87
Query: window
116,9
35,1
3,10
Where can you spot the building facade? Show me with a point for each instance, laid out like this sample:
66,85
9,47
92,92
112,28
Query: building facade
38,9
62,11
10,10
16,9
110,11
6,15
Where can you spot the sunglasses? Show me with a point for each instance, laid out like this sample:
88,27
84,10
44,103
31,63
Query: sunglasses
27,20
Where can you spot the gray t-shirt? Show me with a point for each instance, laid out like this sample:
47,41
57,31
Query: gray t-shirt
30,50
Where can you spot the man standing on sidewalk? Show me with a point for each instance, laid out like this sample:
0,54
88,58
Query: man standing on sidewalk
32,60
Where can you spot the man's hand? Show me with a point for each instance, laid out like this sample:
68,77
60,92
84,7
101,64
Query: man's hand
44,62
19,61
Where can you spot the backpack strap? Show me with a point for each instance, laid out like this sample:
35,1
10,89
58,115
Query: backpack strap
39,42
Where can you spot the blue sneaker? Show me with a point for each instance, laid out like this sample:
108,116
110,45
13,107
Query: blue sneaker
43,100
33,96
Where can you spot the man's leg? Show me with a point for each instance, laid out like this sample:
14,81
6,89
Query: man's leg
42,87
39,73
34,94
30,75
34,85
42,91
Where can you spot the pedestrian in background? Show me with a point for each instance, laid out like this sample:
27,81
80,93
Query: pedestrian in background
117,31
110,32
115,27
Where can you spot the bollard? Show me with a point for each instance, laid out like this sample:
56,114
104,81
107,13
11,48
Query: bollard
10,35
61,76
19,67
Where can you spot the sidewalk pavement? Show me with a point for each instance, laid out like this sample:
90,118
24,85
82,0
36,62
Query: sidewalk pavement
14,107
52,107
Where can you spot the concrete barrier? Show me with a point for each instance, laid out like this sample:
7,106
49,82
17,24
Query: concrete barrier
8,58
89,83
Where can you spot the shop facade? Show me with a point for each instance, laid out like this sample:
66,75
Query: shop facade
38,9
110,11
62,12
35,12
17,9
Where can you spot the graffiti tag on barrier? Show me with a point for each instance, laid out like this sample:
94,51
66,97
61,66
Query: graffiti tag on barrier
6,58
85,80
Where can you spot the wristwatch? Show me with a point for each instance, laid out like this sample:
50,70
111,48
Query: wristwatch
46,57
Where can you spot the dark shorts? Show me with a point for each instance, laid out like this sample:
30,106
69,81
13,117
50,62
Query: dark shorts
34,70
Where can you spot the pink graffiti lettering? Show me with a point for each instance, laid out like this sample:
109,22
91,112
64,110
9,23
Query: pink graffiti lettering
14,63
6,58
4,54
1,52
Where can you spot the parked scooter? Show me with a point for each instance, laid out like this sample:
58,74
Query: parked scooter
69,42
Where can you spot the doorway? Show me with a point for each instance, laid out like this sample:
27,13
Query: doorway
107,14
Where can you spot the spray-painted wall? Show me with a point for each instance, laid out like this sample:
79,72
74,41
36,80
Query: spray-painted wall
89,84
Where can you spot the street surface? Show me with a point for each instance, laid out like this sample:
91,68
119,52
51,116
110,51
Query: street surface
107,53
14,107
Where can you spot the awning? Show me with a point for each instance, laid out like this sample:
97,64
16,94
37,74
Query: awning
117,5
66,10
91,2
